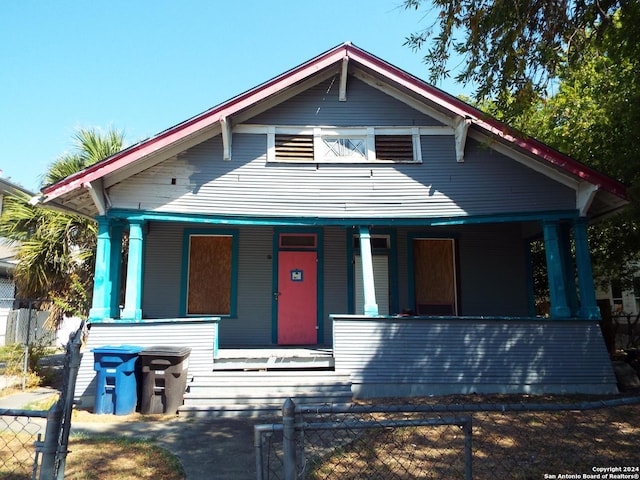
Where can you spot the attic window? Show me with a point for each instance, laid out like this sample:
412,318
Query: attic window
396,148
344,145
297,148
337,148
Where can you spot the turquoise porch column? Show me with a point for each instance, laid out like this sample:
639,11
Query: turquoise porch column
556,270
133,295
569,270
116,267
368,283
588,305
101,302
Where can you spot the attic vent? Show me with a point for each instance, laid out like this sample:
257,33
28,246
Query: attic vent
397,148
294,147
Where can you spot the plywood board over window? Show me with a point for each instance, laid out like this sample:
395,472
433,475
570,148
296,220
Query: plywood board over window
435,276
210,270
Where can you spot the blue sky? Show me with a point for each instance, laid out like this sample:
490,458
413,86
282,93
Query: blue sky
141,66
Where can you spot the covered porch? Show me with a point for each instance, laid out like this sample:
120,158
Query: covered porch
369,353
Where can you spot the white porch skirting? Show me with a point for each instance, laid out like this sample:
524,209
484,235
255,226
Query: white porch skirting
200,334
420,356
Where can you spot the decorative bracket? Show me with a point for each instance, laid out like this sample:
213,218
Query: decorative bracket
461,129
225,125
97,195
342,96
584,197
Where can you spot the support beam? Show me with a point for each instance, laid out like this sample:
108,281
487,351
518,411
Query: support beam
584,197
461,130
101,303
555,271
368,283
133,295
97,195
342,96
588,305
227,135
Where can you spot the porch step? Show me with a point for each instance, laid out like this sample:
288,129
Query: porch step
261,393
273,363
273,359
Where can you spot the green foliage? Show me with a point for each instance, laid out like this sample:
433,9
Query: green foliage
564,73
56,249
13,357
511,49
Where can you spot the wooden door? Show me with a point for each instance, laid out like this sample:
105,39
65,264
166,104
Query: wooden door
297,302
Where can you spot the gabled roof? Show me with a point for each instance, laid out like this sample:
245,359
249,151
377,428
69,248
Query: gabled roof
216,120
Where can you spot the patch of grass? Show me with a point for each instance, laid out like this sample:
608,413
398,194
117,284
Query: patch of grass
44,404
92,458
509,444
120,458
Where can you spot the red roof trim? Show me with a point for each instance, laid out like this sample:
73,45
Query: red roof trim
194,124
333,56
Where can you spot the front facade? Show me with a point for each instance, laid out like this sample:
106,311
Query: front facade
347,204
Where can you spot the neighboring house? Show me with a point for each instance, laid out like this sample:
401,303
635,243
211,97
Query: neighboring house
350,205
8,262
623,300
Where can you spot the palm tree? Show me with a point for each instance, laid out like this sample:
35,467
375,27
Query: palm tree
56,249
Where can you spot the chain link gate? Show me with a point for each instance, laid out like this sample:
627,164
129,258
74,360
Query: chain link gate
434,440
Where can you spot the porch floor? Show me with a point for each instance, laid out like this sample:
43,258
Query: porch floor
274,358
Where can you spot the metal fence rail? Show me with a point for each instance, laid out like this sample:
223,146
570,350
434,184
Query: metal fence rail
453,440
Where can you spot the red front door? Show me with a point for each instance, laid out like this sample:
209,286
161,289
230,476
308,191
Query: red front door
297,297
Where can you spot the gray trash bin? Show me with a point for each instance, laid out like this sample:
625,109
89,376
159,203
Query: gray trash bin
164,378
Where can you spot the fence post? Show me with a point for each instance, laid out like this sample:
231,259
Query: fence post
73,358
50,447
468,449
289,439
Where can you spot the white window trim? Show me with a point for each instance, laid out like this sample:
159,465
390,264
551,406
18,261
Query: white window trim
369,133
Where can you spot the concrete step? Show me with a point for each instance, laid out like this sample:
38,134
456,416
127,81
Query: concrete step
270,378
259,393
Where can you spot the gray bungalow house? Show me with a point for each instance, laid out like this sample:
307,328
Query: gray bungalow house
348,208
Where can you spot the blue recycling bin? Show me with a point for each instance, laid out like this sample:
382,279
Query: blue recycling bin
116,384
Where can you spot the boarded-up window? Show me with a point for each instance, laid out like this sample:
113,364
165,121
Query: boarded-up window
434,276
396,148
294,148
210,275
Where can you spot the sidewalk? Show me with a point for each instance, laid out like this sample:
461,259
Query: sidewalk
19,400
207,448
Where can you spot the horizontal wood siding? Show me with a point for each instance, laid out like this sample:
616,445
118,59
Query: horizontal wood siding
430,356
365,106
200,336
252,326
335,286
162,281
493,270
199,181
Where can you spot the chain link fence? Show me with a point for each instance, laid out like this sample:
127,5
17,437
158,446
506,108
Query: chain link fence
33,443
533,438
20,431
